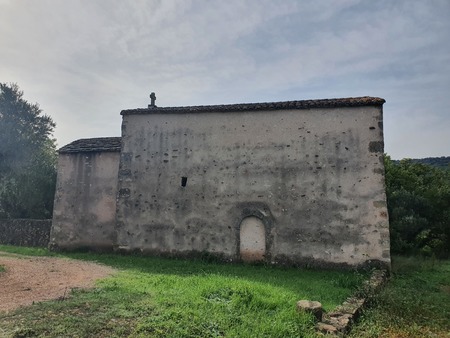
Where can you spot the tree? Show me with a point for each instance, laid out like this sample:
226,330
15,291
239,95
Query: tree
418,198
27,157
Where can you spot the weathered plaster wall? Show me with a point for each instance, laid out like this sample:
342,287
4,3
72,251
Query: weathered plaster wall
315,177
85,201
25,232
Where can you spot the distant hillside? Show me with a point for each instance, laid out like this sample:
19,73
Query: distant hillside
440,162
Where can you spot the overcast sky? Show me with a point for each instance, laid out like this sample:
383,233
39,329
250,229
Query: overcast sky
84,61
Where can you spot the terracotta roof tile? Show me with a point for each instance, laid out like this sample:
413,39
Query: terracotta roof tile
87,145
304,104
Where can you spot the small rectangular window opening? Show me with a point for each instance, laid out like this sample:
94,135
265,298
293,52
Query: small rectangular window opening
183,181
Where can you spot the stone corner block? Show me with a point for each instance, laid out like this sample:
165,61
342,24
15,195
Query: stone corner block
311,307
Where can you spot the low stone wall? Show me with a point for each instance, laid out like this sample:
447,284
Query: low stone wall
345,315
25,232
339,321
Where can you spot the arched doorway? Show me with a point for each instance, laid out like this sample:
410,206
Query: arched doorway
252,239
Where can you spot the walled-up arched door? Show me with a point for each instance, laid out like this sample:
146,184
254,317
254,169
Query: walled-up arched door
252,240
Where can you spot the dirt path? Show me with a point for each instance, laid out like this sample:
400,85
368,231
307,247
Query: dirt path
32,279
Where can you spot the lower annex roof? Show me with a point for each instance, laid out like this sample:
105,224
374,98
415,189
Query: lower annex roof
88,145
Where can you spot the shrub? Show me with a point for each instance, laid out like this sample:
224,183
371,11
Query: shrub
418,197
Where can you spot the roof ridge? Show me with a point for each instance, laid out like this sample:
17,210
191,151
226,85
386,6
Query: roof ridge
299,104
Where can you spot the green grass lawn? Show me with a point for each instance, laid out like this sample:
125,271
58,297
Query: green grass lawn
415,302
155,297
